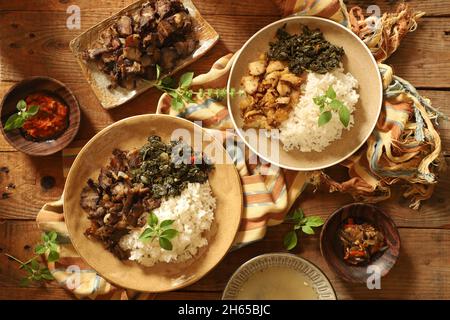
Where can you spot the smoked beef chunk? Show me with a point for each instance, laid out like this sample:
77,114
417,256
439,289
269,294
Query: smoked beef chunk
159,33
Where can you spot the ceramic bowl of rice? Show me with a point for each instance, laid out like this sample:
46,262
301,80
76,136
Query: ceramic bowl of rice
299,142
206,214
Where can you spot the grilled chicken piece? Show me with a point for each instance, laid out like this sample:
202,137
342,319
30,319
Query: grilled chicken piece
283,100
283,89
250,84
271,79
291,79
275,66
257,68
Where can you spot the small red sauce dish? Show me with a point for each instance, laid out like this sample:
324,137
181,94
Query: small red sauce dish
55,120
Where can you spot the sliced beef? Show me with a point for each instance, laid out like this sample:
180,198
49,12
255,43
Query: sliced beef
124,26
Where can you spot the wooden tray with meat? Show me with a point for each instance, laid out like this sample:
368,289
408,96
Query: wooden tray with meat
119,55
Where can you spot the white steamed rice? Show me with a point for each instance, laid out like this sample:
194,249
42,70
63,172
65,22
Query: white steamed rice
301,130
193,212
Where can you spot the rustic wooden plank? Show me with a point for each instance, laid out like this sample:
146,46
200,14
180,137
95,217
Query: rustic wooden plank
47,53
416,275
108,7
26,174
424,53
233,7
433,8
36,43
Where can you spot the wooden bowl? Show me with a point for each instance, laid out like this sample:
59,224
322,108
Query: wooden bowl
53,88
99,82
333,251
132,133
358,60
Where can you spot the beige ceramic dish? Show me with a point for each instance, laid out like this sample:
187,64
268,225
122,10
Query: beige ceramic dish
358,60
315,278
131,133
99,82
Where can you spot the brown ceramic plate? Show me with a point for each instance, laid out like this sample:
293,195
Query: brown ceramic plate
132,133
332,248
50,87
358,60
99,82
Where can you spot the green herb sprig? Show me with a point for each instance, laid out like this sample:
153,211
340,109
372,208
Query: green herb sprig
303,224
328,103
18,119
36,272
161,231
182,94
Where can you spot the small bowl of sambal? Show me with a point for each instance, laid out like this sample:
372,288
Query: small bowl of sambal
39,116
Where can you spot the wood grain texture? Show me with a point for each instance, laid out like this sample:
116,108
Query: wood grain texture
414,276
34,41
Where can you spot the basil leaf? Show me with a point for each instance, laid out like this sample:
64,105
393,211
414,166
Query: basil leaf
307,230
165,244
177,104
168,82
52,236
21,105
186,80
290,240
152,219
53,256
314,221
297,216
34,265
169,234
46,275
32,111
147,234
45,237
10,123
344,116
40,249
166,223
324,118
331,93
336,105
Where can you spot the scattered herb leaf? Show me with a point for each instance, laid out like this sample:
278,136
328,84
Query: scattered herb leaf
36,272
305,224
182,94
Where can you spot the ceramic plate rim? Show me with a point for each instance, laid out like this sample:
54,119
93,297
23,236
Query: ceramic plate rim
276,254
300,18
193,279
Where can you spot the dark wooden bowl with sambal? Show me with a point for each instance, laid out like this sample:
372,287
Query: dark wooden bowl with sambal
39,116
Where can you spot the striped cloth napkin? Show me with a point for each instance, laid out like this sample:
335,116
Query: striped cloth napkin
267,198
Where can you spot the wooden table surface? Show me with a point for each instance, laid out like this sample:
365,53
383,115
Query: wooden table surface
34,41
